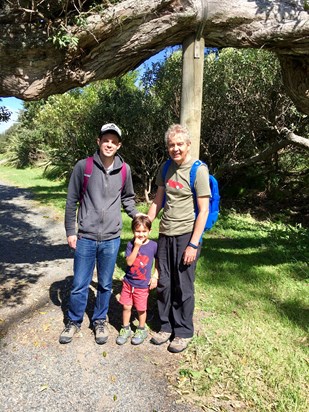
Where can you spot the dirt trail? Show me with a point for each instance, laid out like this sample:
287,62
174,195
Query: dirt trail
39,374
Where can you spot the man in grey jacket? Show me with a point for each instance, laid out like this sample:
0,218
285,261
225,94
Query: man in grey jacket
99,220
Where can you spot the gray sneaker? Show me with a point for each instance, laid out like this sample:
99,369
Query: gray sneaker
68,332
123,336
139,336
178,344
101,331
160,337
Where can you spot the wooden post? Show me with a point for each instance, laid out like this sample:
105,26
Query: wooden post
192,89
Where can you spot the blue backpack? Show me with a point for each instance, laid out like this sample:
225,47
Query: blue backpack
214,200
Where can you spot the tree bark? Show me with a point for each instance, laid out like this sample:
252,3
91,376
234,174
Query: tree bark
118,39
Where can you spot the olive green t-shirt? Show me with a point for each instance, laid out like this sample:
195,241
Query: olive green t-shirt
178,215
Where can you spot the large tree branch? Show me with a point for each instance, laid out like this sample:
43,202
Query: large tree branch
118,39
289,138
294,139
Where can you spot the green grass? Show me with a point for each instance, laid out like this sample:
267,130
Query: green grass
253,317
250,352
47,192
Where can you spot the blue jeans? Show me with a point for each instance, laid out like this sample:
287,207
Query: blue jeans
88,253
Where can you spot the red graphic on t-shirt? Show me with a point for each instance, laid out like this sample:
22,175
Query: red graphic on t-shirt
175,185
139,267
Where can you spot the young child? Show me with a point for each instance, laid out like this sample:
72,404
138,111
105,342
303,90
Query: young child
140,254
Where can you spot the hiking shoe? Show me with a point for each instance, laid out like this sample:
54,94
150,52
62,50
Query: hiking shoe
123,336
68,332
178,344
160,337
101,331
139,336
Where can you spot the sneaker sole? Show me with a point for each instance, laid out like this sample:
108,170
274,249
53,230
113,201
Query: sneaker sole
121,343
137,343
174,350
64,341
101,341
156,342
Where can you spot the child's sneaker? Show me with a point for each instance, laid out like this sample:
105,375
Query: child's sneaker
139,336
123,336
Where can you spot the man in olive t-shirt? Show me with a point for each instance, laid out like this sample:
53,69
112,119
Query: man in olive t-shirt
179,242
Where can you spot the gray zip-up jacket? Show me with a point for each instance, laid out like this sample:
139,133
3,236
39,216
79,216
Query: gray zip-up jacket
99,215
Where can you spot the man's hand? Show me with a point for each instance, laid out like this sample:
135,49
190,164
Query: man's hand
189,255
72,241
153,283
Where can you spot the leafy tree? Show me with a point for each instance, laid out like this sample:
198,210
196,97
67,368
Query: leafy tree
136,112
25,147
245,114
63,122
5,114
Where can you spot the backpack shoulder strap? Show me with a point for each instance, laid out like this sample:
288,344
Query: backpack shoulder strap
87,174
164,172
193,172
123,174
165,169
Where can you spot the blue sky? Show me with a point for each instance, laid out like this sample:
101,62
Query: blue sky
14,105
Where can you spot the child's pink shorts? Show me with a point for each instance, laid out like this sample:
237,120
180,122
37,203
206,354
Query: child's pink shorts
131,296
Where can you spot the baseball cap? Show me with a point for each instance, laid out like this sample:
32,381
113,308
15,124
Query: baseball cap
111,127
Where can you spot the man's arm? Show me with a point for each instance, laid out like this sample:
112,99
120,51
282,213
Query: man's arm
128,195
157,203
203,207
200,222
71,205
155,276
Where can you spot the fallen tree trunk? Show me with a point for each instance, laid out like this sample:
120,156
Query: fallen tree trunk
50,49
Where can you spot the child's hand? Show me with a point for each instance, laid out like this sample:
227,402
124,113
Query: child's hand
138,242
153,283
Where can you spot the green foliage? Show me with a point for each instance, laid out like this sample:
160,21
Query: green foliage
63,121
244,107
163,80
63,39
243,96
25,151
5,114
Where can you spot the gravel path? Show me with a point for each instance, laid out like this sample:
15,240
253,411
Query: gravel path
39,374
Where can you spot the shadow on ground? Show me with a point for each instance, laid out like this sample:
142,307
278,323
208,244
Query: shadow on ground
60,293
28,244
